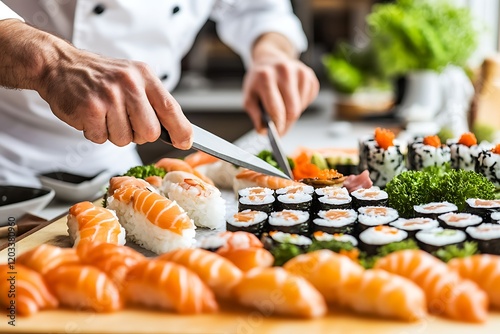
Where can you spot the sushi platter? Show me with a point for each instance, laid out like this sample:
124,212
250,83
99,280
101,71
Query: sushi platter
375,248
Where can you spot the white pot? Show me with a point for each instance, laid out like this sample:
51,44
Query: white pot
422,98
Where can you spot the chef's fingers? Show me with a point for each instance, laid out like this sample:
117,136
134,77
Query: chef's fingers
251,104
288,86
272,100
313,87
145,124
94,121
170,114
119,128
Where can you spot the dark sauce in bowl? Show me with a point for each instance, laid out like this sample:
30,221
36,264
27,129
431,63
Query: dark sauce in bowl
15,194
68,177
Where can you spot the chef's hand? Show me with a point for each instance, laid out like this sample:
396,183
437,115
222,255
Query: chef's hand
285,85
108,99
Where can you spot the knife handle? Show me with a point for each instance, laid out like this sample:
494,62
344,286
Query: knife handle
165,136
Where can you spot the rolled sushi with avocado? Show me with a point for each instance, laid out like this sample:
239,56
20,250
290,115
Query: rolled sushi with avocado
340,237
434,239
427,151
290,221
274,238
487,237
371,239
335,221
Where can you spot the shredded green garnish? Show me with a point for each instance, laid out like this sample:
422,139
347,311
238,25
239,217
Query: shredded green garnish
284,252
369,261
268,157
333,245
450,252
142,172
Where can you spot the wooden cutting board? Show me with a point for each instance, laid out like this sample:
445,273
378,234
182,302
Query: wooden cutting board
231,318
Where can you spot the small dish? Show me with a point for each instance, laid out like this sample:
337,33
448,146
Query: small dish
15,201
75,188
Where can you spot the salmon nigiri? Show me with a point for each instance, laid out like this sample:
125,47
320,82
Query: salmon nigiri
89,222
239,239
381,293
114,260
249,178
288,294
484,270
329,272
45,257
446,292
168,286
214,270
27,288
151,220
248,258
84,287
128,181
171,164
200,158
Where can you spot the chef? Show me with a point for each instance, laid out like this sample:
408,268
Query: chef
105,68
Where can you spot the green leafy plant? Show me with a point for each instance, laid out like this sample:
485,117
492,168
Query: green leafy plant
369,261
268,157
450,252
284,252
142,172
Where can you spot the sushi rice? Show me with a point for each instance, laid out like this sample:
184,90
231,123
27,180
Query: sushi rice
487,237
459,220
341,237
335,221
376,215
306,189
255,191
421,156
488,164
434,209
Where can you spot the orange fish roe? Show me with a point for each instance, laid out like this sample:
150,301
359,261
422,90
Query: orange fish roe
496,149
329,174
432,141
384,138
468,139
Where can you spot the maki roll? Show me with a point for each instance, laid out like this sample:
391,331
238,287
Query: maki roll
369,197
371,239
275,238
328,202
340,237
295,189
264,203
294,201
332,191
482,207
413,225
370,216
488,164
255,191
487,237
432,240
427,151
495,217
459,221
382,156
335,221
464,152
290,221
250,221
434,209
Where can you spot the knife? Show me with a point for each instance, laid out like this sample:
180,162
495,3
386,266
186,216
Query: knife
275,141
222,149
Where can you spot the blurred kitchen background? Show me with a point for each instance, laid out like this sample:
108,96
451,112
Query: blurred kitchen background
340,42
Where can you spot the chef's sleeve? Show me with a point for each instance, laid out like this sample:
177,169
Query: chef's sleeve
7,13
240,23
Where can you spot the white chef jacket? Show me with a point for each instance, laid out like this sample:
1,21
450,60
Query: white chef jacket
158,32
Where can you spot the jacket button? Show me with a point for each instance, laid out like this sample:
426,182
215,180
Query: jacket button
164,77
176,9
99,9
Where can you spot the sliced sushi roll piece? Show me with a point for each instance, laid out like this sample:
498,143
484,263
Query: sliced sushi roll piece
379,292
459,221
484,270
427,151
264,203
250,221
31,291
89,222
153,221
482,207
290,221
45,257
289,294
369,197
447,294
413,225
202,202
84,287
464,152
434,209
168,286
488,164
383,157
294,201
327,271
255,191
328,202
295,189
370,216
217,272
331,191
371,239
275,238
487,237
432,240
495,217
340,237
335,221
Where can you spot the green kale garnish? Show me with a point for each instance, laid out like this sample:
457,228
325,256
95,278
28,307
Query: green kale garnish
333,245
369,261
268,157
284,252
142,172
450,252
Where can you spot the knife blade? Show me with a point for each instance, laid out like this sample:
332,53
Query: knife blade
209,143
274,139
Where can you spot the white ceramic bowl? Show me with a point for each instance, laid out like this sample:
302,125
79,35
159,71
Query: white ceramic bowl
16,201
76,188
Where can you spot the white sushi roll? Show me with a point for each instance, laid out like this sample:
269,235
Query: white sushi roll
376,215
434,209
421,156
488,164
306,189
463,156
373,238
290,221
255,191
333,191
202,201
433,239
459,220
